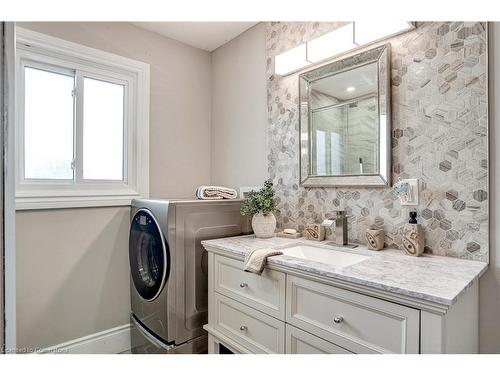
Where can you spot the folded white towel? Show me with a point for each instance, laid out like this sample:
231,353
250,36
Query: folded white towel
255,260
216,192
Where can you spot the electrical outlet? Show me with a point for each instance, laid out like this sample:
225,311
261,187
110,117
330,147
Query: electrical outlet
413,183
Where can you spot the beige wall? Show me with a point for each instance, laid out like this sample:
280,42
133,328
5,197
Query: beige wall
72,265
72,273
239,110
489,297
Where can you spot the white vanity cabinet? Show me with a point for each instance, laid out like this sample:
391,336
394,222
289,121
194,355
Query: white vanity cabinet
290,311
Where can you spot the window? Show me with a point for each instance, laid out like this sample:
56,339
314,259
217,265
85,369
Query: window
102,130
82,131
48,124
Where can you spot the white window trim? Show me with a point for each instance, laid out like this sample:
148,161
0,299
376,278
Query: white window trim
35,46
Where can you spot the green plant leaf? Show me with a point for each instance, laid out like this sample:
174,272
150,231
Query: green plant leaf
261,201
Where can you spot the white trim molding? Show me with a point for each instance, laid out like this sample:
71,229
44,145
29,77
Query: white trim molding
36,49
9,225
111,341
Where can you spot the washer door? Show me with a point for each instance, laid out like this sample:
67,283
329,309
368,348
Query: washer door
148,255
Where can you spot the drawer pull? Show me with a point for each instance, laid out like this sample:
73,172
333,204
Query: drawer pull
338,319
243,285
243,328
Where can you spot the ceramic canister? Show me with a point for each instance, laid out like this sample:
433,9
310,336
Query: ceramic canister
315,232
413,239
375,238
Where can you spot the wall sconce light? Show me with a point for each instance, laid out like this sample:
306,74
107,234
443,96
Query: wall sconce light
331,44
371,31
291,60
341,40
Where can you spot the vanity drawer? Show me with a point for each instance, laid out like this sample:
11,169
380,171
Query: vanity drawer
354,321
257,331
265,292
301,342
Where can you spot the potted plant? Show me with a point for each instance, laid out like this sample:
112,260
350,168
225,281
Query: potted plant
261,205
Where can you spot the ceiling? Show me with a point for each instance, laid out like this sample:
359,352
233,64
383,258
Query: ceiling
204,35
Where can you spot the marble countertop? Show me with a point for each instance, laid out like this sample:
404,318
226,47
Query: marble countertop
430,278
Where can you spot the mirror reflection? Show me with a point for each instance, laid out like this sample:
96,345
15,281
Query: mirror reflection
344,123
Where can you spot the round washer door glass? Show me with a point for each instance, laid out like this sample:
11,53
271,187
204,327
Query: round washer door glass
148,255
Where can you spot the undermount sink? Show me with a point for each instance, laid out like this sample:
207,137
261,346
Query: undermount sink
333,257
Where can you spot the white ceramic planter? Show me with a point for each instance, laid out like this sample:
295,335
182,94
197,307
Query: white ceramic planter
264,226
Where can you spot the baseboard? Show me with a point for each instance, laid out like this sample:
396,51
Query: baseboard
111,341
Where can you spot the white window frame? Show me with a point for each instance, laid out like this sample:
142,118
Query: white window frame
42,51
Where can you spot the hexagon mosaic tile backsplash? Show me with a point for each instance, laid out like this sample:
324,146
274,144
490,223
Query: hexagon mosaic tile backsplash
440,135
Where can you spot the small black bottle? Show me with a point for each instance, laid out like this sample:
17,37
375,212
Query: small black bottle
413,217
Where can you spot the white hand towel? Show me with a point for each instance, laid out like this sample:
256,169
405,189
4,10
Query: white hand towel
216,192
255,260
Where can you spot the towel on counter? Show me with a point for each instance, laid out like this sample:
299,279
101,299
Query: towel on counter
255,260
216,192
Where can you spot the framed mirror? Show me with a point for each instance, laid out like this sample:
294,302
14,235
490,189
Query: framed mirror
345,121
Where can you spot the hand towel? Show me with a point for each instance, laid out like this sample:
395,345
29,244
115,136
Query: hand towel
255,260
216,192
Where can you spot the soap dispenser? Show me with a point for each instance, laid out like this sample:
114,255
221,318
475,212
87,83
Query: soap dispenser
413,236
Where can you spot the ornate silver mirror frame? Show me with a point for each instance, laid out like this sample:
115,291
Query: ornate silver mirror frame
381,176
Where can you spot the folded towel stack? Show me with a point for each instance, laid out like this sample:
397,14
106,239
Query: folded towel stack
255,260
216,192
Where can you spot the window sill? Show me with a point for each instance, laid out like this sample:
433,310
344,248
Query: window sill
48,203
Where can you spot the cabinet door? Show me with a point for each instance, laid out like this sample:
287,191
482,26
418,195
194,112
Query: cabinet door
301,342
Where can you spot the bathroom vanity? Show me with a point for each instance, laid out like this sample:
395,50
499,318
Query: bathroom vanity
318,298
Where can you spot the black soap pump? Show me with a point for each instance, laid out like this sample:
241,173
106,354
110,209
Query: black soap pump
413,217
